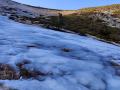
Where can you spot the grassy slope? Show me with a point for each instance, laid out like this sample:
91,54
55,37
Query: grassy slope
111,8
82,23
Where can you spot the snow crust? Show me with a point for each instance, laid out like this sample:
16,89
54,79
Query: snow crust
84,67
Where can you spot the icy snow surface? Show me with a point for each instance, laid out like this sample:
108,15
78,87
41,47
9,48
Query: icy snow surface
83,66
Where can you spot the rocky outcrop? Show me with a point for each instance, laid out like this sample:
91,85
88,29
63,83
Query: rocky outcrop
108,19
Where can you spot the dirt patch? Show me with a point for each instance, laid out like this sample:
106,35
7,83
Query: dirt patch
25,73
7,72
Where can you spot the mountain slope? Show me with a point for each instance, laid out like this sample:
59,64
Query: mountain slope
9,6
12,7
102,22
62,61
109,14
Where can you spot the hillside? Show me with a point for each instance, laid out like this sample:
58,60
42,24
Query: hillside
102,22
101,25
12,7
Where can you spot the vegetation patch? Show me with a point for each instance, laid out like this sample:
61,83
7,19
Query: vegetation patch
26,73
83,24
7,72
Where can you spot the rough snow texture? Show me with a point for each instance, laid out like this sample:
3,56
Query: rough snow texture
71,62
